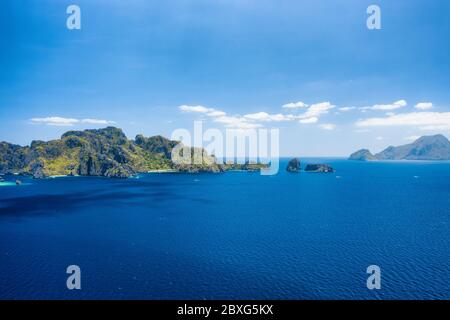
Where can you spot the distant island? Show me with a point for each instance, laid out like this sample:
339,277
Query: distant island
104,152
435,147
295,167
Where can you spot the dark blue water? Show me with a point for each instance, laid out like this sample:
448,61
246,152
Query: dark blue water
234,235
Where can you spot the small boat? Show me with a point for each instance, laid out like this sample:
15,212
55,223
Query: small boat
18,182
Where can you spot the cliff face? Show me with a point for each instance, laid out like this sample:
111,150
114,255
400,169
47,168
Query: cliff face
12,157
435,147
362,155
156,145
105,152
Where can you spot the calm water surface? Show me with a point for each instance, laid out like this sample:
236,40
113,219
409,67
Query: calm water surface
237,235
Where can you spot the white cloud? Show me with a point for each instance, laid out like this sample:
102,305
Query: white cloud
309,120
264,116
327,126
442,127
68,122
55,121
311,115
423,120
197,109
237,122
97,121
261,116
254,120
379,138
424,105
412,138
392,106
295,105
216,113
317,110
210,112
346,109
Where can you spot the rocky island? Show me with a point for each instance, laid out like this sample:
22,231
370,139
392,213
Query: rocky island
319,168
293,165
435,147
362,155
104,152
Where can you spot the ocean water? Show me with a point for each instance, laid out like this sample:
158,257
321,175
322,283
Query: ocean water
237,235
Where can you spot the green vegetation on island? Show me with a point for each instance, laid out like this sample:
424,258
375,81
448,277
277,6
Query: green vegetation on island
319,168
104,152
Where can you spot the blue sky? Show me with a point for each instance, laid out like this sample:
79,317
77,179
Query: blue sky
134,63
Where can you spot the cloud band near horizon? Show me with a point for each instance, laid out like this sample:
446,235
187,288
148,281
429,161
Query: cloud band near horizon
69,122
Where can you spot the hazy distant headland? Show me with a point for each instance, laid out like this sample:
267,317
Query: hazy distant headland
435,147
104,152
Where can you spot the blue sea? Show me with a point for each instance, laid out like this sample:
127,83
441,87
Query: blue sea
236,235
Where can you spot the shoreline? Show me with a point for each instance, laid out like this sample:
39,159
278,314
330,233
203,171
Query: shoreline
7,184
163,171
